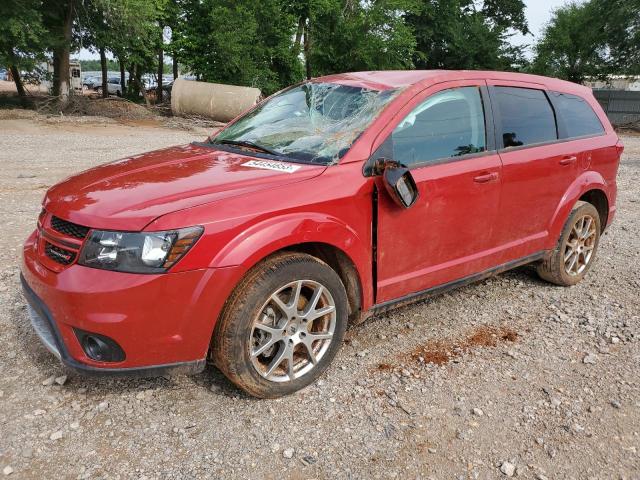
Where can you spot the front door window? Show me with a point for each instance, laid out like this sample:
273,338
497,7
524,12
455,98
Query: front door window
447,124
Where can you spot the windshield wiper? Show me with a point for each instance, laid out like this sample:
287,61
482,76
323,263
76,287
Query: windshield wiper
247,143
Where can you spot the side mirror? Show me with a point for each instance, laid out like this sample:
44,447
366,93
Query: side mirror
400,185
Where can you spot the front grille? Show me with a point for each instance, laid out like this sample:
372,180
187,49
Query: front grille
60,255
68,228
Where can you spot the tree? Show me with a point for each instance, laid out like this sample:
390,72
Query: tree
621,31
166,10
348,35
97,35
59,17
573,44
172,19
22,42
466,34
135,27
240,42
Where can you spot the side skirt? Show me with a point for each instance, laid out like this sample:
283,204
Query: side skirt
429,292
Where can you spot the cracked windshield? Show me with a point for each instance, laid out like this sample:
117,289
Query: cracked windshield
310,123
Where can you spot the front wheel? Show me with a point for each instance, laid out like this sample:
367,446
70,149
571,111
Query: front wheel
282,326
576,250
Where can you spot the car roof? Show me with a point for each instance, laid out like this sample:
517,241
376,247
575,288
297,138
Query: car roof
393,79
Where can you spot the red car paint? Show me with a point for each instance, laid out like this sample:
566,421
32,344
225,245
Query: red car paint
472,215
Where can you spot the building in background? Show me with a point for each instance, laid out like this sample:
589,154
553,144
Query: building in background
616,82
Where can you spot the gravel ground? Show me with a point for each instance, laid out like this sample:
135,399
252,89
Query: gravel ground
508,377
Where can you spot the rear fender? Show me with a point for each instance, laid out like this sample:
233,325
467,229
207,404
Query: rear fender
587,181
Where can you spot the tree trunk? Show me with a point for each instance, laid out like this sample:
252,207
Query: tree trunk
160,72
61,84
103,66
131,86
138,84
15,73
15,76
299,32
136,78
123,78
175,67
307,49
55,84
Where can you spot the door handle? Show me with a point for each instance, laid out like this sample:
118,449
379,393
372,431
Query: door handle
568,160
486,177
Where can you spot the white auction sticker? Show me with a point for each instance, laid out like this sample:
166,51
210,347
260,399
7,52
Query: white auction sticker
278,166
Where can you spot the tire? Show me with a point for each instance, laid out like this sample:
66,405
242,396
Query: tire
566,266
118,94
255,338
99,91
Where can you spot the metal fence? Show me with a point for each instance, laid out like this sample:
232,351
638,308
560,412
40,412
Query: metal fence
622,107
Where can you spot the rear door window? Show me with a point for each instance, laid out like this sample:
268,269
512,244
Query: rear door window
447,124
576,116
526,116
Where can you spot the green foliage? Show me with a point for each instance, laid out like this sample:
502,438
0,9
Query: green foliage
55,18
22,42
348,35
268,43
94,65
573,44
621,31
241,42
466,34
133,30
596,38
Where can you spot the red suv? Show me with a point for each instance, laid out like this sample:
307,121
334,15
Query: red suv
330,201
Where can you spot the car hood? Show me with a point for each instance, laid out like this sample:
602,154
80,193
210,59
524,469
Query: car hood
130,193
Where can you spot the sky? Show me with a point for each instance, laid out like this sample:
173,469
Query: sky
538,13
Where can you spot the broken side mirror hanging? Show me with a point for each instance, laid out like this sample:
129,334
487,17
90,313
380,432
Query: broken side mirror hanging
398,182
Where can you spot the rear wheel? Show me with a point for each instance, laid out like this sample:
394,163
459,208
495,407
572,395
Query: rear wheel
99,91
282,326
576,250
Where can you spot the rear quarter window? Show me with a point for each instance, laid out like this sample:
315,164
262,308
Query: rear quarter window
526,116
576,116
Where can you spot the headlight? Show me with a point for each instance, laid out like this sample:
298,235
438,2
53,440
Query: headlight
146,252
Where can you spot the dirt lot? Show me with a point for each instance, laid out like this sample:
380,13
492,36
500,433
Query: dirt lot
6,86
516,376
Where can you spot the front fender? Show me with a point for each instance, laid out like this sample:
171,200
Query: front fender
587,181
276,233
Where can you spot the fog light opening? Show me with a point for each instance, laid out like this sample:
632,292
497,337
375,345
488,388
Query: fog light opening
95,348
100,348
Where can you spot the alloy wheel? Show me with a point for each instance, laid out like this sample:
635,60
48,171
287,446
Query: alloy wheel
580,245
292,331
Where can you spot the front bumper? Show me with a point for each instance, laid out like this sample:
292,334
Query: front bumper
45,327
163,323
